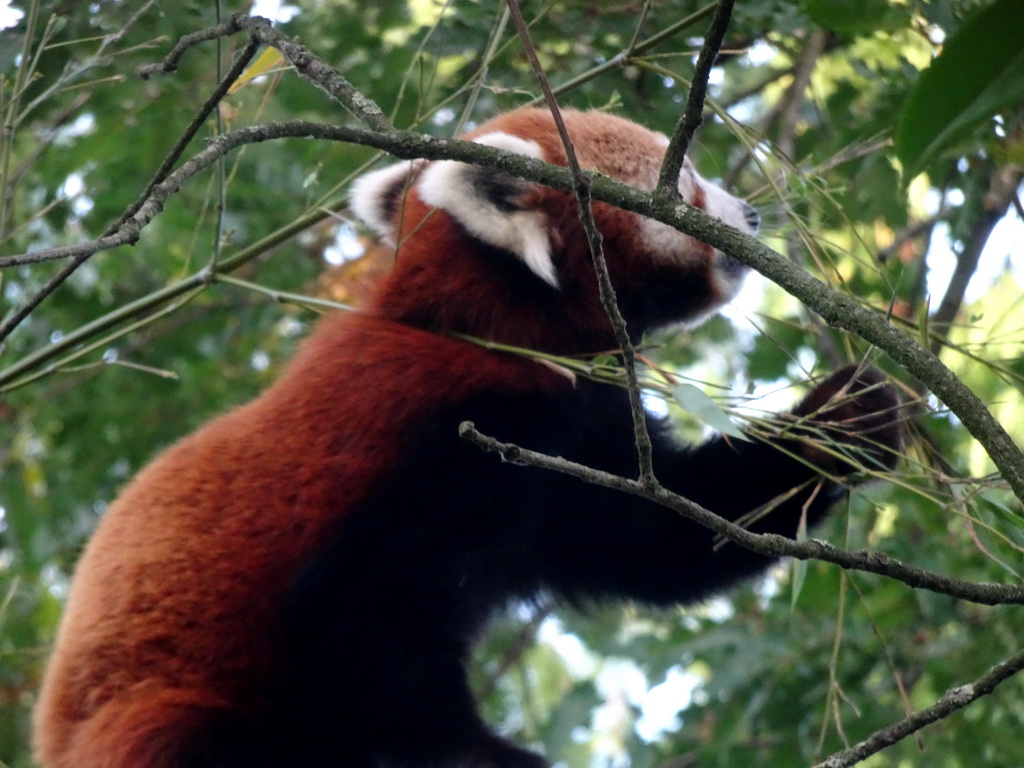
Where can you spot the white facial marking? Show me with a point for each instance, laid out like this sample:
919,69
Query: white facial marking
722,205
368,198
728,273
454,187
671,244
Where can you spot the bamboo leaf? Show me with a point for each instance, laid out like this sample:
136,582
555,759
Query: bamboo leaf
267,61
697,402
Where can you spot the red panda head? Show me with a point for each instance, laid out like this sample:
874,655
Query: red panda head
483,253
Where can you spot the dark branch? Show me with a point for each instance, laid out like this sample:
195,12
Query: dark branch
193,128
952,700
1001,193
768,544
668,180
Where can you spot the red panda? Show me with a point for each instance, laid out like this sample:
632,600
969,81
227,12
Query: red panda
299,582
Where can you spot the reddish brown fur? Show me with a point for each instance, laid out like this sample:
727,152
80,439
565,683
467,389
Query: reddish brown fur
223,529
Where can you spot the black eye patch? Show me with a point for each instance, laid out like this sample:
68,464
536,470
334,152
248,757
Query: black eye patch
500,189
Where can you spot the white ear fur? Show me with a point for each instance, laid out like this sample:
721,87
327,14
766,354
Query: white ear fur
484,202
375,196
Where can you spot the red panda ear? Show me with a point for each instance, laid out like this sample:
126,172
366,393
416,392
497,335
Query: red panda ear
377,197
493,206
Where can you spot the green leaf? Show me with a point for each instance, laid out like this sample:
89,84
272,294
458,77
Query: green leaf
849,17
979,72
695,401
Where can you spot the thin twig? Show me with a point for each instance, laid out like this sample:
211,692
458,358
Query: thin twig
118,233
693,115
73,70
1002,191
788,110
624,57
7,130
525,640
190,132
782,118
15,115
14,320
918,229
581,186
310,68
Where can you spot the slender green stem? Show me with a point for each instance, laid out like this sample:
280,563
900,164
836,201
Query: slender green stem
283,297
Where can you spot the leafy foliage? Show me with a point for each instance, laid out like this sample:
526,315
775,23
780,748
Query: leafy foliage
980,72
804,103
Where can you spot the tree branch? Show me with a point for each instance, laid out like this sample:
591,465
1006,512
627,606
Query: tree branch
768,544
837,309
241,62
952,700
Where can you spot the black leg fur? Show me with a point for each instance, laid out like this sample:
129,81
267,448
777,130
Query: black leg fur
379,628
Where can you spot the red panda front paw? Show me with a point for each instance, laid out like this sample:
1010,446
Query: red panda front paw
850,423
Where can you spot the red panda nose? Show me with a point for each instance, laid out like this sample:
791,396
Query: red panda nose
752,216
